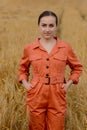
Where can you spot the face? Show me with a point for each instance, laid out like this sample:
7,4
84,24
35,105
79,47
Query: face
47,27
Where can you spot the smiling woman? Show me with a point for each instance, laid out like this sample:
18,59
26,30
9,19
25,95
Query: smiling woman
46,92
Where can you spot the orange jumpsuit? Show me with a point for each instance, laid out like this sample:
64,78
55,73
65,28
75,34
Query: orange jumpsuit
47,99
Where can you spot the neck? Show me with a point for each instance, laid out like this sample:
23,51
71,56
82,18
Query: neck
47,41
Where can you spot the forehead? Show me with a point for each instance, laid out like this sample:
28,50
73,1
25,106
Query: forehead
48,19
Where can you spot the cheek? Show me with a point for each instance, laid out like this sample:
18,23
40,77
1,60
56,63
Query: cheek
40,29
54,29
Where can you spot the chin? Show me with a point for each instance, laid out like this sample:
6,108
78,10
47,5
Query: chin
47,37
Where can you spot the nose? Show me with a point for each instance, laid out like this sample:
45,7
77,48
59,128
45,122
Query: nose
47,28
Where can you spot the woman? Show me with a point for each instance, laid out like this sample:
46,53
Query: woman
46,92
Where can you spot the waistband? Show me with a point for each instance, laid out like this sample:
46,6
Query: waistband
47,80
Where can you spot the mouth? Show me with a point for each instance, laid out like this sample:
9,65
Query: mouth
47,34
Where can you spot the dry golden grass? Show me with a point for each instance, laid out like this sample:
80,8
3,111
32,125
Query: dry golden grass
18,26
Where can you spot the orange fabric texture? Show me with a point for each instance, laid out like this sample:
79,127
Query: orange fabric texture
47,99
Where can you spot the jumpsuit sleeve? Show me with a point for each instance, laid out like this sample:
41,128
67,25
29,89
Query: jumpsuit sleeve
75,65
24,66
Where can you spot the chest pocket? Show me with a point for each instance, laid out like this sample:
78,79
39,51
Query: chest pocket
60,62
61,58
35,57
36,60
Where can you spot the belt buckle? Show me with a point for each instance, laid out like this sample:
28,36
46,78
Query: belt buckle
48,80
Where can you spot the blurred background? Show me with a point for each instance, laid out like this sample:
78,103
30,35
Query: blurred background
18,27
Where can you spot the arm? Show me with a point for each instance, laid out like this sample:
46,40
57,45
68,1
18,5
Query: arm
75,65
24,69
76,69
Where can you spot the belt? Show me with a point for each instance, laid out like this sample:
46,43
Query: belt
47,80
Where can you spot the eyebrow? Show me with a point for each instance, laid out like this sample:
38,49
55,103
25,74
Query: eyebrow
46,23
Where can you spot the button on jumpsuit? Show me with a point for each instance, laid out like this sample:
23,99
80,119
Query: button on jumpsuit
47,99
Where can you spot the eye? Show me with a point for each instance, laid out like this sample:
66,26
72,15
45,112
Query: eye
44,25
51,25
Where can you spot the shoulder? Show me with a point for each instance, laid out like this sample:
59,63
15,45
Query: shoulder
65,45
30,45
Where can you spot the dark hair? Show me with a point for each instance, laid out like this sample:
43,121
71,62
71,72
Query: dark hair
48,13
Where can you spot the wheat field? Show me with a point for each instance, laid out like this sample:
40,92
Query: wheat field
18,26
